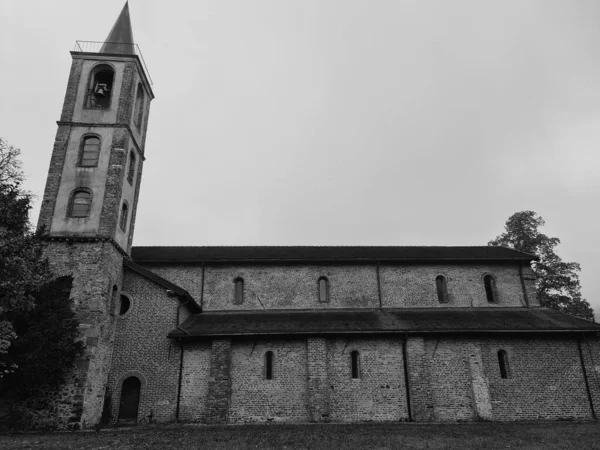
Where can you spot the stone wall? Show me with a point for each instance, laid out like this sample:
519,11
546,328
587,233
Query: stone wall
97,273
295,286
143,350
450,379
379,393
256,399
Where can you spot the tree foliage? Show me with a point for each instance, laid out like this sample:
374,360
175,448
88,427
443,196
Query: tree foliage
47,345
11,167
23,269
557,281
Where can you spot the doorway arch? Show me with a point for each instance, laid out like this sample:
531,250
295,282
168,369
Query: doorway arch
130,400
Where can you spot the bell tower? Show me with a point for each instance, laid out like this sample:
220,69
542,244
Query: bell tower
90,199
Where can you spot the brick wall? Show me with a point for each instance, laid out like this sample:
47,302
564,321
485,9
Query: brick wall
379,392
256,399
218,398
419,379
350,285
546,379
143,350
318,382
414,285
195,379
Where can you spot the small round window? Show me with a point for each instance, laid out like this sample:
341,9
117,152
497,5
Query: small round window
125,305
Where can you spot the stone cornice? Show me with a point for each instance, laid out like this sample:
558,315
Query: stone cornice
73,238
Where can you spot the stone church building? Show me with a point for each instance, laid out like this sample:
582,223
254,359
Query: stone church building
282,334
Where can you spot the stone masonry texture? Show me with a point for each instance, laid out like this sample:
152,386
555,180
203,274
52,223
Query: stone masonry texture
94,254
223,380
295,286
450,377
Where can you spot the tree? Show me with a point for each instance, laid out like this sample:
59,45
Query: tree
557,281
39,368
11,167
23,269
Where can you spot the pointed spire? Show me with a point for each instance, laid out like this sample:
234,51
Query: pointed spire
120,38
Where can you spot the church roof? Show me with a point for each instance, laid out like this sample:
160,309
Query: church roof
181,293
377,321
324,254
120,38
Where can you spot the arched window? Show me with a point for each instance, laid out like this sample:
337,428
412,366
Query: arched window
238,298
130,400
131,171
124,213
442,288
90,151
355,364
490,288
503,363
113,300
81,203
139,107
125,305
323,290
269,366
101,86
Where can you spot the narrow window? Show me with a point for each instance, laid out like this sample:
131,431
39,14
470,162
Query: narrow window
442,288
124,213
355,364
125,305
490,288
101,86
90,151
131,172
239,291
113,300
269,366
323,290
139,107
81,203
503,363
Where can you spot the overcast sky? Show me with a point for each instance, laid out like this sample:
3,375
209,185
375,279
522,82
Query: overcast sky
338,122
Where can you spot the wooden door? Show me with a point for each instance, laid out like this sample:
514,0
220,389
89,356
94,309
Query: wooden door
130,400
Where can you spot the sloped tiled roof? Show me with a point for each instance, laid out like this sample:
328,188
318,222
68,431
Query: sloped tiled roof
375,321
324,254
181,293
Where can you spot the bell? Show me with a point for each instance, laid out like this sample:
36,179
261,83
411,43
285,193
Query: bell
100,90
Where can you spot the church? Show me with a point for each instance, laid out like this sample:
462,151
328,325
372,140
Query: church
231,335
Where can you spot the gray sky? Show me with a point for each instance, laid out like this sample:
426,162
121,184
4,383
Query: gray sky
339,122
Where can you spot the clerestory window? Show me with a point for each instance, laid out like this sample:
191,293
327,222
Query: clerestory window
238,295
442,288
323,290
490,288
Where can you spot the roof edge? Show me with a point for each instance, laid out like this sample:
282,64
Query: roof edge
173,334
181,293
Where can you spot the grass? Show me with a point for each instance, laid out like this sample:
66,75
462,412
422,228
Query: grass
480,436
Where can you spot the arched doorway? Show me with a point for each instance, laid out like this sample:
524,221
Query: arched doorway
130,400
